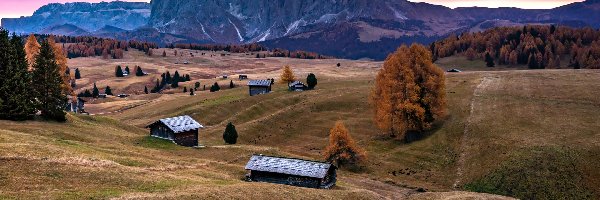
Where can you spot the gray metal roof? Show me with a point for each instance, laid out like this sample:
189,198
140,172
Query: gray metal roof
181,124
296,83
260,82
289,166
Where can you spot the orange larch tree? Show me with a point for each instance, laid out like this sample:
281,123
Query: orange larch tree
287,75
342,149
32,48
409,93
61,61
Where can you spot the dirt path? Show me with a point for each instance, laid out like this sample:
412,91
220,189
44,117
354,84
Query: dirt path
485,82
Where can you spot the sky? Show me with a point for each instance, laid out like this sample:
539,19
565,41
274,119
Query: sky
17,8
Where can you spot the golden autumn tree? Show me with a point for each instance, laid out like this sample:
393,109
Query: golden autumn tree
409,92
287,75
342,149
32,48
61,61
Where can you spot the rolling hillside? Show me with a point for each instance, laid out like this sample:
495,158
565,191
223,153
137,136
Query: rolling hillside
531,131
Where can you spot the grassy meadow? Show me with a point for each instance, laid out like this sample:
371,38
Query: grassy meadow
518,133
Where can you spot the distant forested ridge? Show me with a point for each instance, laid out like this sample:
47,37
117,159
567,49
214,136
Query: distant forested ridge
89,46
536,46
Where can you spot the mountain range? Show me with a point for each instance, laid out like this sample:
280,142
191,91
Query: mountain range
344,28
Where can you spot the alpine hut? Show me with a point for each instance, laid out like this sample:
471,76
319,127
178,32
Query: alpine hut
256,87
290,171
182,130
297,86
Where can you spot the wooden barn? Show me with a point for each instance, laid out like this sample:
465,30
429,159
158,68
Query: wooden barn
256,87
297,86
243,77
182,130
290,171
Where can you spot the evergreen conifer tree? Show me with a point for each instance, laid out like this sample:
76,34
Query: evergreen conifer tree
231,85
77,74
108,91
95,91
145,89
311,81
175,80
191,92
230,135
139,71
196,85
16,80
47,81
118,71
489,61
184,89
127,69
215,87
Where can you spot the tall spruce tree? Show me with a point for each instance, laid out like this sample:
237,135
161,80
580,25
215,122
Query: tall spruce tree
16,82
145,89
175,80
489,61
231,85
47,83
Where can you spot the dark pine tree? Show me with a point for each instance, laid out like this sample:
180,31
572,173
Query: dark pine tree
489,61
175,81
184,89
215,87
16,81
145,89
108,91
230,135
191,92
77,74
95,91
196,85
204,88
47,80
187,77
311,81
168,79
118,71
127,70
231,85
156,88
139,71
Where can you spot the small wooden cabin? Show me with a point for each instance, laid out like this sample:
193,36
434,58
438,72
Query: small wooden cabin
256,87
182,130
297,86
290,171
243,77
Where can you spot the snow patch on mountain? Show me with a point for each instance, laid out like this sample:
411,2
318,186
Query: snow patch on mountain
293,26
235,11
237,30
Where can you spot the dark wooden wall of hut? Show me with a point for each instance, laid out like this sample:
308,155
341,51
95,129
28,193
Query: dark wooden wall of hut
188,139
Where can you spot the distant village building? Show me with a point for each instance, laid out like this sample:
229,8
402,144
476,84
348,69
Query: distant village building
290,171
297,86
256,87
182,130
243,77
102,96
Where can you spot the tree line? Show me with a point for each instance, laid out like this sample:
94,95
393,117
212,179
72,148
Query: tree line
297,54
168,80
35,78
537,46
88,46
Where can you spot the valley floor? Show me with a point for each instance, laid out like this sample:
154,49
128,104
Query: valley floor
535,131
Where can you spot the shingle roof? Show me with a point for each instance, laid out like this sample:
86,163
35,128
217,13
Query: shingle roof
181,123
288,166
296,83
260,82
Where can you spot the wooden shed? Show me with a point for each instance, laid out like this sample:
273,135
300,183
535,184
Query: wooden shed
290,171
256,87
182,130
297,86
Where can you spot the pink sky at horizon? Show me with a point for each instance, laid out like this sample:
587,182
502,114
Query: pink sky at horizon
18,8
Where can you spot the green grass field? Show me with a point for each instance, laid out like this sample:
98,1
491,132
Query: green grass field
525,134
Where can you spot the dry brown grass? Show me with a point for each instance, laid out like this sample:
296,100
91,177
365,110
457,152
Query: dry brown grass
110,156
